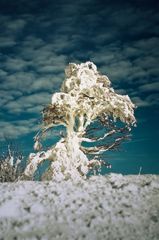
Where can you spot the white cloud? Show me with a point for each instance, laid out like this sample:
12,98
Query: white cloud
3,73
15,25
5,97
149,87
15,64
15,129
12,25
151,100
21,81
47,83
140,102
7,42
30,103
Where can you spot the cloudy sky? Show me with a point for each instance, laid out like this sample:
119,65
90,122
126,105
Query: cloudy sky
38,38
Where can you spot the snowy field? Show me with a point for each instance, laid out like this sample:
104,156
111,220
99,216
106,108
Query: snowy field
108,207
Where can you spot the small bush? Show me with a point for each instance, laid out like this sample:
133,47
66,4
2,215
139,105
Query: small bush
10,166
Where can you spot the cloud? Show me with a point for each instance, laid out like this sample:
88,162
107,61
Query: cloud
140,102
10,27
5,98
19,80
150,100
7,42
149,87
26,104
15,64
130,60
16,25
153,99
3,73
15,129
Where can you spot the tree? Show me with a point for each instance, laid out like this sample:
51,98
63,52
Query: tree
86,98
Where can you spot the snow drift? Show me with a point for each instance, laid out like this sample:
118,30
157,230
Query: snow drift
102,207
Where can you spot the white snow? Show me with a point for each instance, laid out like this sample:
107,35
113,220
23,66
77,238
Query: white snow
102,207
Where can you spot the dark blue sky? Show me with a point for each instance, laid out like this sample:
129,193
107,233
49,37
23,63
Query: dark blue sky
39,38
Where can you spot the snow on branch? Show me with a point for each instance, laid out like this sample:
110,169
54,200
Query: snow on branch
86,96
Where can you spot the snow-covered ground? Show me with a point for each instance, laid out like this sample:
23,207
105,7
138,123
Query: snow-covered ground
108,207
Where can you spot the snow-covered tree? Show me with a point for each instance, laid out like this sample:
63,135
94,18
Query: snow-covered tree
86,98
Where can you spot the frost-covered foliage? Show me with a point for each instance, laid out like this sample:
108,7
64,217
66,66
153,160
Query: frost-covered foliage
10,166
86,97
